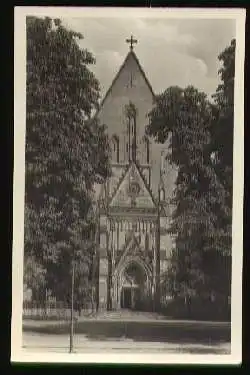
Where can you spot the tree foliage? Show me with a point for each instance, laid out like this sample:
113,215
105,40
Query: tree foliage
200,135
184,116
34,275
222,130
66,151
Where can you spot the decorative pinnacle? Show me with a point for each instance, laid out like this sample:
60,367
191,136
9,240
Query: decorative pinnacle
131,41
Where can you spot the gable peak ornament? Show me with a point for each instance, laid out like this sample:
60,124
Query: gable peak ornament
131,41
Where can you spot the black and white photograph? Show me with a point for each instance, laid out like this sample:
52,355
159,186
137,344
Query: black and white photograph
128,185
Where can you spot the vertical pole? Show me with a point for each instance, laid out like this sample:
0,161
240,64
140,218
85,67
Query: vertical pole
157,257
107,244
108,252
96,261
72,308
97,280
154,275
46,302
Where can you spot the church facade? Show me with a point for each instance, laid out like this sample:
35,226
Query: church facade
134,246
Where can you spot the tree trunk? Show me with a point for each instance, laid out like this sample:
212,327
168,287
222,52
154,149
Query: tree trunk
92,300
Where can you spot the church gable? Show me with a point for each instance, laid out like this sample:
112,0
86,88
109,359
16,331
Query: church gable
132,191
131,249
129,76
129,85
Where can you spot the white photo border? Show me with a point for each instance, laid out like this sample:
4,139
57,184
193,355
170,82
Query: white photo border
18,354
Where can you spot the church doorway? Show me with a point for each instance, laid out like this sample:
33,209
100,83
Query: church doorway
133,287
130,296
126,298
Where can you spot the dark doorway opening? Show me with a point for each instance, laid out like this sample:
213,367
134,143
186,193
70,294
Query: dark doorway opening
126,298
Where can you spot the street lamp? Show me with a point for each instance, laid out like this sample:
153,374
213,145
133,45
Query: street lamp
72,307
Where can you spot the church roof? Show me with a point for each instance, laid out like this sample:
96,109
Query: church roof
130,54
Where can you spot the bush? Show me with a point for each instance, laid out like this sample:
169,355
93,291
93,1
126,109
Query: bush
198,309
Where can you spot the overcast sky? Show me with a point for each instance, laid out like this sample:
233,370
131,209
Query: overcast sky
171,51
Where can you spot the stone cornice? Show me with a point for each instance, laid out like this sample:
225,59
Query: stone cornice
132,210
124,214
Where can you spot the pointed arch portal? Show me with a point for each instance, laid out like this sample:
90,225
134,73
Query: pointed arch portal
132,284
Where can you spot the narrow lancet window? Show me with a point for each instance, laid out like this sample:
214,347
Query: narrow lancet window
162,194
147,150
115,149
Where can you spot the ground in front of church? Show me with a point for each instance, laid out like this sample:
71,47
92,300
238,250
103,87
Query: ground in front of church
35,341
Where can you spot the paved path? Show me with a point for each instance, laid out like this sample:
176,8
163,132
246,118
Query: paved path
165,322
126,316
123,314
33,342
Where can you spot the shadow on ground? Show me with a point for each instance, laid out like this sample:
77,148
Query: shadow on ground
175,332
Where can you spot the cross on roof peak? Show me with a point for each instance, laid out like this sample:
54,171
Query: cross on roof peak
132,41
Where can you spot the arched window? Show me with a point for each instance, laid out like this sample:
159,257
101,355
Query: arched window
132,128
162,194
146,243
115,149
128,156
131,114
146,149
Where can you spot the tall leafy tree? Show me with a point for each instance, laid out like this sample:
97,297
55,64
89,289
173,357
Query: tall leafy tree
221,149
66,151
222,129
201,140
184,116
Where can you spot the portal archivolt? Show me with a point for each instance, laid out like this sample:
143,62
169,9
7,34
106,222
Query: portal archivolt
132,284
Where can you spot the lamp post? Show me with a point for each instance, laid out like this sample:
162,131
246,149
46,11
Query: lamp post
72,307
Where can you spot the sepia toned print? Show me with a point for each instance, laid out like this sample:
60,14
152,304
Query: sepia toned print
130,136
